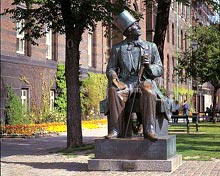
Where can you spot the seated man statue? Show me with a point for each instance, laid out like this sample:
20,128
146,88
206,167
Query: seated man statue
132,68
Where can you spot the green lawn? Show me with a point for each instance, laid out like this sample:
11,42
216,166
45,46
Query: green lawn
202,145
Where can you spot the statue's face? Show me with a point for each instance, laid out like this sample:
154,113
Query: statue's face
134,29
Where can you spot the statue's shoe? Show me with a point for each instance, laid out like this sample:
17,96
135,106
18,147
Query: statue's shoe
151,136
112,135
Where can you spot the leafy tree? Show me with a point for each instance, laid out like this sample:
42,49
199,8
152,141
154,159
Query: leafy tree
162,20
202,62
72,18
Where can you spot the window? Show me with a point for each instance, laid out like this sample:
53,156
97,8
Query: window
89,49
135,6
24,99
172,2
183,10
186,41
52,100
181,39
173,71
52,46
49,44
168,68
168,71
180,8
173,34
168,33
20,43
178,38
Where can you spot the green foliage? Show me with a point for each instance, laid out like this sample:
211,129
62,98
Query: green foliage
54,116
202,63
61,101
163,90
15,113
93,90
185,91
60,15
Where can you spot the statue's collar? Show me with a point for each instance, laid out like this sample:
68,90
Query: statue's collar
138,43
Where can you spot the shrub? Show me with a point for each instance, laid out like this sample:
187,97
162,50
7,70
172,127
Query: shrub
15,112
93,90
60,101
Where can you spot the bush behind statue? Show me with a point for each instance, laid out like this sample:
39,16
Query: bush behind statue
93,90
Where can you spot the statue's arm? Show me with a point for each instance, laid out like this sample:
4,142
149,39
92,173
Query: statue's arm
155,68
112,67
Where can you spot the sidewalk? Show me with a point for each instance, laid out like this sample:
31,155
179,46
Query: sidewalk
32,157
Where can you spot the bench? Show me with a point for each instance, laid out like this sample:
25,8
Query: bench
187,120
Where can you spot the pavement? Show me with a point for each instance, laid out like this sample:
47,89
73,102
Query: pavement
36,157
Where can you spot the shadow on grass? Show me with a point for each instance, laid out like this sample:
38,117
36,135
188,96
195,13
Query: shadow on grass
85,150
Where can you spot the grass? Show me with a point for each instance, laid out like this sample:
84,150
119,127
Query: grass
202,145
85,150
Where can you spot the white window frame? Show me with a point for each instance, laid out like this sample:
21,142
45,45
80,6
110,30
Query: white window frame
52,99
172,4
20,37
89,49
24,99
49,44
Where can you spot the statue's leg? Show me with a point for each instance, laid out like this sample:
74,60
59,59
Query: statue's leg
116,112
148,110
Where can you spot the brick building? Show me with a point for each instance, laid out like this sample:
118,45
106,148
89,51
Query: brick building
30,70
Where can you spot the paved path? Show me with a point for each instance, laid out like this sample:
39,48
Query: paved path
33,157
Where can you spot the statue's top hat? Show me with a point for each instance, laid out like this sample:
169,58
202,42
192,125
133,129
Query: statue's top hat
124,20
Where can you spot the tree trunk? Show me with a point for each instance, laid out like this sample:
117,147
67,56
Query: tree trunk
161,24
74,127
73,38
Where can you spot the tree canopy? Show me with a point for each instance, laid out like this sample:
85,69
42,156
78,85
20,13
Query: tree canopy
50,14
202,59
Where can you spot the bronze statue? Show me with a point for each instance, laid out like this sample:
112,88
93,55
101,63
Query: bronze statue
131,70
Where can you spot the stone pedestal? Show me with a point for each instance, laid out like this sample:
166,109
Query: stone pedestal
136,154
135,165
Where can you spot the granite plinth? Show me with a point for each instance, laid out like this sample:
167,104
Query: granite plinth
135,165
136,148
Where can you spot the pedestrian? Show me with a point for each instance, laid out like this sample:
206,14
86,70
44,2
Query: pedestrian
176,113
185,108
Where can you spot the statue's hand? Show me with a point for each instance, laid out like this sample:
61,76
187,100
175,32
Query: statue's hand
145,61
116,82
120,85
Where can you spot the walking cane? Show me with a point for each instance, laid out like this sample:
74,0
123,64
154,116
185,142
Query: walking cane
132,104
140,72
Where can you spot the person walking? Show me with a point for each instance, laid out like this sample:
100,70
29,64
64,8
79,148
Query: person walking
185,108
176,113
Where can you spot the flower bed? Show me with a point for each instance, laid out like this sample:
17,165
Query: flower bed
33,129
